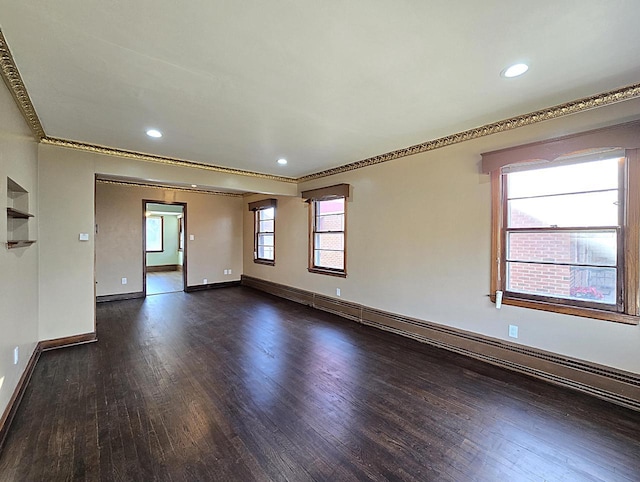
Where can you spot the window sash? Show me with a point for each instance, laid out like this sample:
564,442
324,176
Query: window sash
154,245
264,252
506,230
315,250
626,309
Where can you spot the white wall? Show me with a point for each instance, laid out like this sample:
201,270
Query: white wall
19,266
418,244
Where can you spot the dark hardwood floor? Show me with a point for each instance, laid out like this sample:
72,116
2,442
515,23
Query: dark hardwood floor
232,384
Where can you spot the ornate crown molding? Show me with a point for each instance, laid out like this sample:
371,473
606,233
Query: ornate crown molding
167,188
14,82
139,156
573,107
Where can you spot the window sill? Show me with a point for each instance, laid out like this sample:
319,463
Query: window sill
265,262
571,310
330,272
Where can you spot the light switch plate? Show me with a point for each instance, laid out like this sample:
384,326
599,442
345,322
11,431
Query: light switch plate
83,237
192,237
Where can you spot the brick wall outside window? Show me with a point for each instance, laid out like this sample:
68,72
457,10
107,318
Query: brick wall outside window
558,247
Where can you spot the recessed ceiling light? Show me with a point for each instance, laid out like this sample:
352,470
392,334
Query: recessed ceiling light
154,133
515,70
282,161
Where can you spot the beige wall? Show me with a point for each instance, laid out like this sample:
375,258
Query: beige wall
67,179
66,263
18,267
418,244
215,221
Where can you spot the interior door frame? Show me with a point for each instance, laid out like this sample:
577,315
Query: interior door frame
144,242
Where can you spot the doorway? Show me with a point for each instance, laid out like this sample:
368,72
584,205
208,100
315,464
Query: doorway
164,248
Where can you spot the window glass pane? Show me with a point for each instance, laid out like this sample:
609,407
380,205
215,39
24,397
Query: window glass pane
265,240
572,178
331,206
265,252
266,226
330,222
154,233
589,209
329,259
266,213
564,247
329,241
569,282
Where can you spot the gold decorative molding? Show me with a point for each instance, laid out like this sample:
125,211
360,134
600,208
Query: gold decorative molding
573,107
14,82
167,188
139,156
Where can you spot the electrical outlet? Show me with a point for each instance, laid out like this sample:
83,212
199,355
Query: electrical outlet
337,291
513,331
16,353
229,270
205,281
225,271
124,281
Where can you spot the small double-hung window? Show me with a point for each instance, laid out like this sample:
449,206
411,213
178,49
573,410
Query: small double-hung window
565,231
264,232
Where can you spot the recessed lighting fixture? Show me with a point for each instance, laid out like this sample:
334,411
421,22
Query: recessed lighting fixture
282,161
515,70
154,133
194,185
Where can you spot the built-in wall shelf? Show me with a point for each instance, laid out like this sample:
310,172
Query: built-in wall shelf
18,216
19,244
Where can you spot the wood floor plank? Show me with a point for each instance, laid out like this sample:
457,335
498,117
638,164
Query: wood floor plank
235,384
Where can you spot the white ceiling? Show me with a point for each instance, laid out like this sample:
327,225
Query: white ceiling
322,83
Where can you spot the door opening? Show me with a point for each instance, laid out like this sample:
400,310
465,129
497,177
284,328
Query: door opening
164,247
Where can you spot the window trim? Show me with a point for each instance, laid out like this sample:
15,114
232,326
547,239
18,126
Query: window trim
628,242
181,233
161,250
342,273
256,207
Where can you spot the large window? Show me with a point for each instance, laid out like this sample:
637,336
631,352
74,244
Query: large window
328,229
154,234
566,232
562,233
265,225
